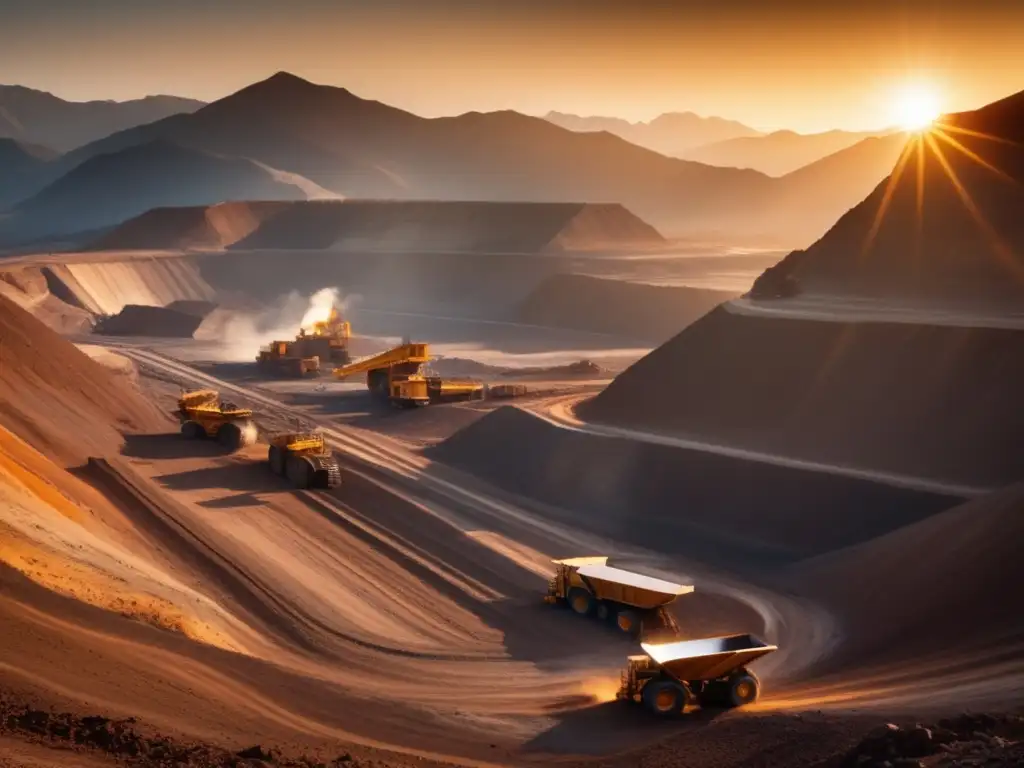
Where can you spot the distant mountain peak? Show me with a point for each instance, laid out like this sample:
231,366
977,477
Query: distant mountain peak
283,77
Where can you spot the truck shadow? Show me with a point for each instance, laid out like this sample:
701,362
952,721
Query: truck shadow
245,477
169,446
613,726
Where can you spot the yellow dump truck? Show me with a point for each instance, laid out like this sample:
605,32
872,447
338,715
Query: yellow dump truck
635,603
305,459
397,375
711,672
203,414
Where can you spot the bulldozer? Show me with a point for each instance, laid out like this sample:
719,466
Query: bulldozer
305,459
279,358
326,341
204,415
634,603
397,375
710,672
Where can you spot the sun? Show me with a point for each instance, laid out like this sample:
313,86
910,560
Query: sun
916,106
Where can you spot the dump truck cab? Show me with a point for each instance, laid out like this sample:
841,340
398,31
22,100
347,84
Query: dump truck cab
634,603
711,672
305,459
203,414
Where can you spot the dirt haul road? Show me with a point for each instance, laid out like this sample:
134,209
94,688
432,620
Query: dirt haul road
400,612
560,412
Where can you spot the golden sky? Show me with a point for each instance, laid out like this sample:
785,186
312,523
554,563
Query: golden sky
769,63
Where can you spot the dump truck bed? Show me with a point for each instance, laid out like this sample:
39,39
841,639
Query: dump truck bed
707,659
607,582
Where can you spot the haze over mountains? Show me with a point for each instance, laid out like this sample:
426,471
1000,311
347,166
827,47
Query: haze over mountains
107,189
353,147
720,142
778,153
823,375
21,164
41,118
674,133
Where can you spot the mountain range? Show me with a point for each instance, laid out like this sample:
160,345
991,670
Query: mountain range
674,133
778,153
21,164
38,117
326,137
108,189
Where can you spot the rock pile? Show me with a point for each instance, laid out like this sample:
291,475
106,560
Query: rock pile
966,740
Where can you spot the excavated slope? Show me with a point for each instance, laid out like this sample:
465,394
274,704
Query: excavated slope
650,312
711,507
107,286
899,592
58,399
197,227
33,289
931,401
945,225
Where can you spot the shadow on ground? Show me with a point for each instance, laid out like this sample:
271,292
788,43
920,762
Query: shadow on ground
169,446
613,726
247,477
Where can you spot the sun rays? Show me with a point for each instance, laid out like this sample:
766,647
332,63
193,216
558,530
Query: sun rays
934,142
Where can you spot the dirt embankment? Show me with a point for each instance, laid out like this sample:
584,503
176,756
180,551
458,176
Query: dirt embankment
135,320
57,398
931,401
718,509
649,312
931,588
199,228
38,291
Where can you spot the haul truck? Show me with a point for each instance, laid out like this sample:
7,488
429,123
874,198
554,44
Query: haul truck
711,672
203,414
396,375
633,602
305,459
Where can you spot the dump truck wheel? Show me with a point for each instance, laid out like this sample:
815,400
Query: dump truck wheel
276,458
192,430
230,436
299,472
665,698
581,601
742,689
628,622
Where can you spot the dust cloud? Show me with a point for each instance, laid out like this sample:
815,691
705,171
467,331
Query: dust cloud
237,335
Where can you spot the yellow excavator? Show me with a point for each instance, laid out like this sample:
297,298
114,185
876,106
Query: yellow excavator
397,375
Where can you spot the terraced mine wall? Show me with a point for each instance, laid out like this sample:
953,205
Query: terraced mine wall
706,506
924,400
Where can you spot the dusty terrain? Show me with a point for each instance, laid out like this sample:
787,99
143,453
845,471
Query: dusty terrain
401,613
217,616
